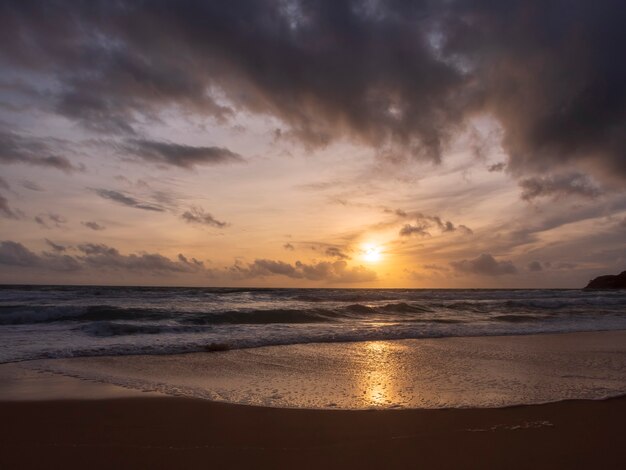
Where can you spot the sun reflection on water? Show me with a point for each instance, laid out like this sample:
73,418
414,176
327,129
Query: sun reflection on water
376,376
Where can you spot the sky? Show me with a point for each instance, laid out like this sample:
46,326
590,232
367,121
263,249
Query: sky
294,143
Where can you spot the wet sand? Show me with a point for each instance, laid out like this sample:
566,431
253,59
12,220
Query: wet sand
466,372
192,433
56,421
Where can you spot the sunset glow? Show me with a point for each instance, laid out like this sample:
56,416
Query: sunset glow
284,145
372,253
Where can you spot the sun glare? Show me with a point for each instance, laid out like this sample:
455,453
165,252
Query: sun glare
372,253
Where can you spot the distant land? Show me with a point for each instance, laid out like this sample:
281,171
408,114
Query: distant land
608,282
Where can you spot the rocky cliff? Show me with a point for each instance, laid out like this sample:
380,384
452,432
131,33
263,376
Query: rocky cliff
608,282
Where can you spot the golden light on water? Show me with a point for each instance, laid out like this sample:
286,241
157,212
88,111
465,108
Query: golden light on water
376,374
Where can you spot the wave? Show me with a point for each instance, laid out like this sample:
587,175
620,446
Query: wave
209,312
518,318
403,307
18,315
108,328
65,322
262,317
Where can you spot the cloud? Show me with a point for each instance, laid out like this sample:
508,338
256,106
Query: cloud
50,220
197,215
560,265
266,267
407,230
97,249
426,222
93,225
535,266
95,256
5,209
191,262
184,156
484,265
408,74
435,267
15,148
572,184
110,258
31,185
15,254
288,246
496,167
57,219
4,184
337,271
100,256
335,252
55,247
126,200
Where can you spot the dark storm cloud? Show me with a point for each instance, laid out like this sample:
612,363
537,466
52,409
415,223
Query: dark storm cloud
551,76
572,184
404,73
197,215
93,225
15,148
485,265
337,271
184,156
126,200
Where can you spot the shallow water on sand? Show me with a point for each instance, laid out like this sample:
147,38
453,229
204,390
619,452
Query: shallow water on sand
425,373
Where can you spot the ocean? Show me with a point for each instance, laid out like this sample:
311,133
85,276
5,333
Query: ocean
40,322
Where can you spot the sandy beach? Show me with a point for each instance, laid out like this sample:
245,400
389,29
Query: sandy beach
57,421
188,433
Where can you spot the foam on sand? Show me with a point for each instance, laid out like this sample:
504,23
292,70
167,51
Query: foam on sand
426,373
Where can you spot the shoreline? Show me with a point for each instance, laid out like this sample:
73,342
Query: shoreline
460,372
75,423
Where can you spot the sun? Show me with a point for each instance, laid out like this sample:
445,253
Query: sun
371,253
